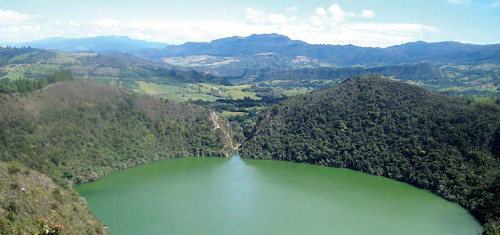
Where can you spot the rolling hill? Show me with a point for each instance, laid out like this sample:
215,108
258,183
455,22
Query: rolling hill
448,145
424,72
234,55
480,80
79,131
32,63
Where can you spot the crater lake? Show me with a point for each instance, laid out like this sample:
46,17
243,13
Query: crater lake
239,196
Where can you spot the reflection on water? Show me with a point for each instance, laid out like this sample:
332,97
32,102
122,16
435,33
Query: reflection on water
239,196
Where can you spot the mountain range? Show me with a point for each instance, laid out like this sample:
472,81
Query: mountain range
234,55
103,44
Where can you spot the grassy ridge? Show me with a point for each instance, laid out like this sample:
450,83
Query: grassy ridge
31,202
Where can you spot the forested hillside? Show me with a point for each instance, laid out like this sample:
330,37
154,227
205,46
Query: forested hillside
81,131
421,72
30,85
383,127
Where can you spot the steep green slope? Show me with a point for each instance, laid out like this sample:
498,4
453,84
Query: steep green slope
384,127
80,131
30,200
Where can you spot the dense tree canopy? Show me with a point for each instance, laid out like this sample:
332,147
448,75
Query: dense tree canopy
28,85
80,131
445,144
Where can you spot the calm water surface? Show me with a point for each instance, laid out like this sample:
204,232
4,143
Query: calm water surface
239,196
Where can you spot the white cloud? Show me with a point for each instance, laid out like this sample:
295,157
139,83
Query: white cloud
12,17
321,11
106,23
27,28
368,13
335,26
316,21
338,14
292,9
254,16
391,29
259,17
277,18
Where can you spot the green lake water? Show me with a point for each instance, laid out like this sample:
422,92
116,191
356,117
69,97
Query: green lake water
239,196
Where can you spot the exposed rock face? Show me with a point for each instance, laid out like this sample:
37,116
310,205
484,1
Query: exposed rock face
222,125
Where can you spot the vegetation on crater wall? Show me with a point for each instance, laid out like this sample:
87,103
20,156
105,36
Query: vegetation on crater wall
445,144
31,203
81,131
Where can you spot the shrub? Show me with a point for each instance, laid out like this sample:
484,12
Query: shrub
4,226
14,167
47,227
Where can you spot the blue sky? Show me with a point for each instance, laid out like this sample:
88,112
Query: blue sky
365,23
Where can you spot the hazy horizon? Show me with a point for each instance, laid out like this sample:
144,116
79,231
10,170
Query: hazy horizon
242,36
361,23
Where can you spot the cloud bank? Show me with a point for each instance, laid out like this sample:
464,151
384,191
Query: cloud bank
325,25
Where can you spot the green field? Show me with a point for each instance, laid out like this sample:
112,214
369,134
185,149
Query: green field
228,114
199,91
29,71
22,57
17,69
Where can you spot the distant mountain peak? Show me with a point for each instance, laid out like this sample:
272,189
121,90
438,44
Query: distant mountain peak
253,38
424,44
285,51
108,43
269,35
